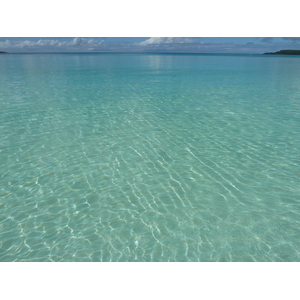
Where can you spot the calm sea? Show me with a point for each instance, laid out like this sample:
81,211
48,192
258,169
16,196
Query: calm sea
147,157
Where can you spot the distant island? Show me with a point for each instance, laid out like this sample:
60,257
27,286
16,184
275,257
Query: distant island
2,52
285,52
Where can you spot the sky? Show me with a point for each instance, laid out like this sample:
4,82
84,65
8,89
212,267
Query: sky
244,45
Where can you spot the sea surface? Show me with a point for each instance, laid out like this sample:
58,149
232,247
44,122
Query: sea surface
149,157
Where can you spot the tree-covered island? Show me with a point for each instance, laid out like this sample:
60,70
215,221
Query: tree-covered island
285,52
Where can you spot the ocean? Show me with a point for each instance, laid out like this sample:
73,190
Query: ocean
149,158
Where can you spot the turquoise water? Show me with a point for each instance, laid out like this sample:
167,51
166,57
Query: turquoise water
146,157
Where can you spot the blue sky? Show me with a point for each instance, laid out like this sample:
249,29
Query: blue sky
252,45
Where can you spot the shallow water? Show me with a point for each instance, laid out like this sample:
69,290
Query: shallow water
140,157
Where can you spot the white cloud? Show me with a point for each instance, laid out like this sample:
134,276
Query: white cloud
77,44
164,40
5,44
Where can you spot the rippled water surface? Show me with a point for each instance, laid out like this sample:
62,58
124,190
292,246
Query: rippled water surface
139,157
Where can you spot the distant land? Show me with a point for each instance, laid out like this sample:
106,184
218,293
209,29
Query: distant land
285,52
2,52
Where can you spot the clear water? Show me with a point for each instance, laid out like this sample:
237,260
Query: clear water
139,157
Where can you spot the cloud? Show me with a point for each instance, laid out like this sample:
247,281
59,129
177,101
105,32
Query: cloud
267,40
294,39
153,44
164,40
168,44
43,45
194,45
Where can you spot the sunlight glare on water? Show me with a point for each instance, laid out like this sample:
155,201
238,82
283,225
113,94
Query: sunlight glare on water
147,157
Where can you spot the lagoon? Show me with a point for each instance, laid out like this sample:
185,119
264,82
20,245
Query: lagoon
149,157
